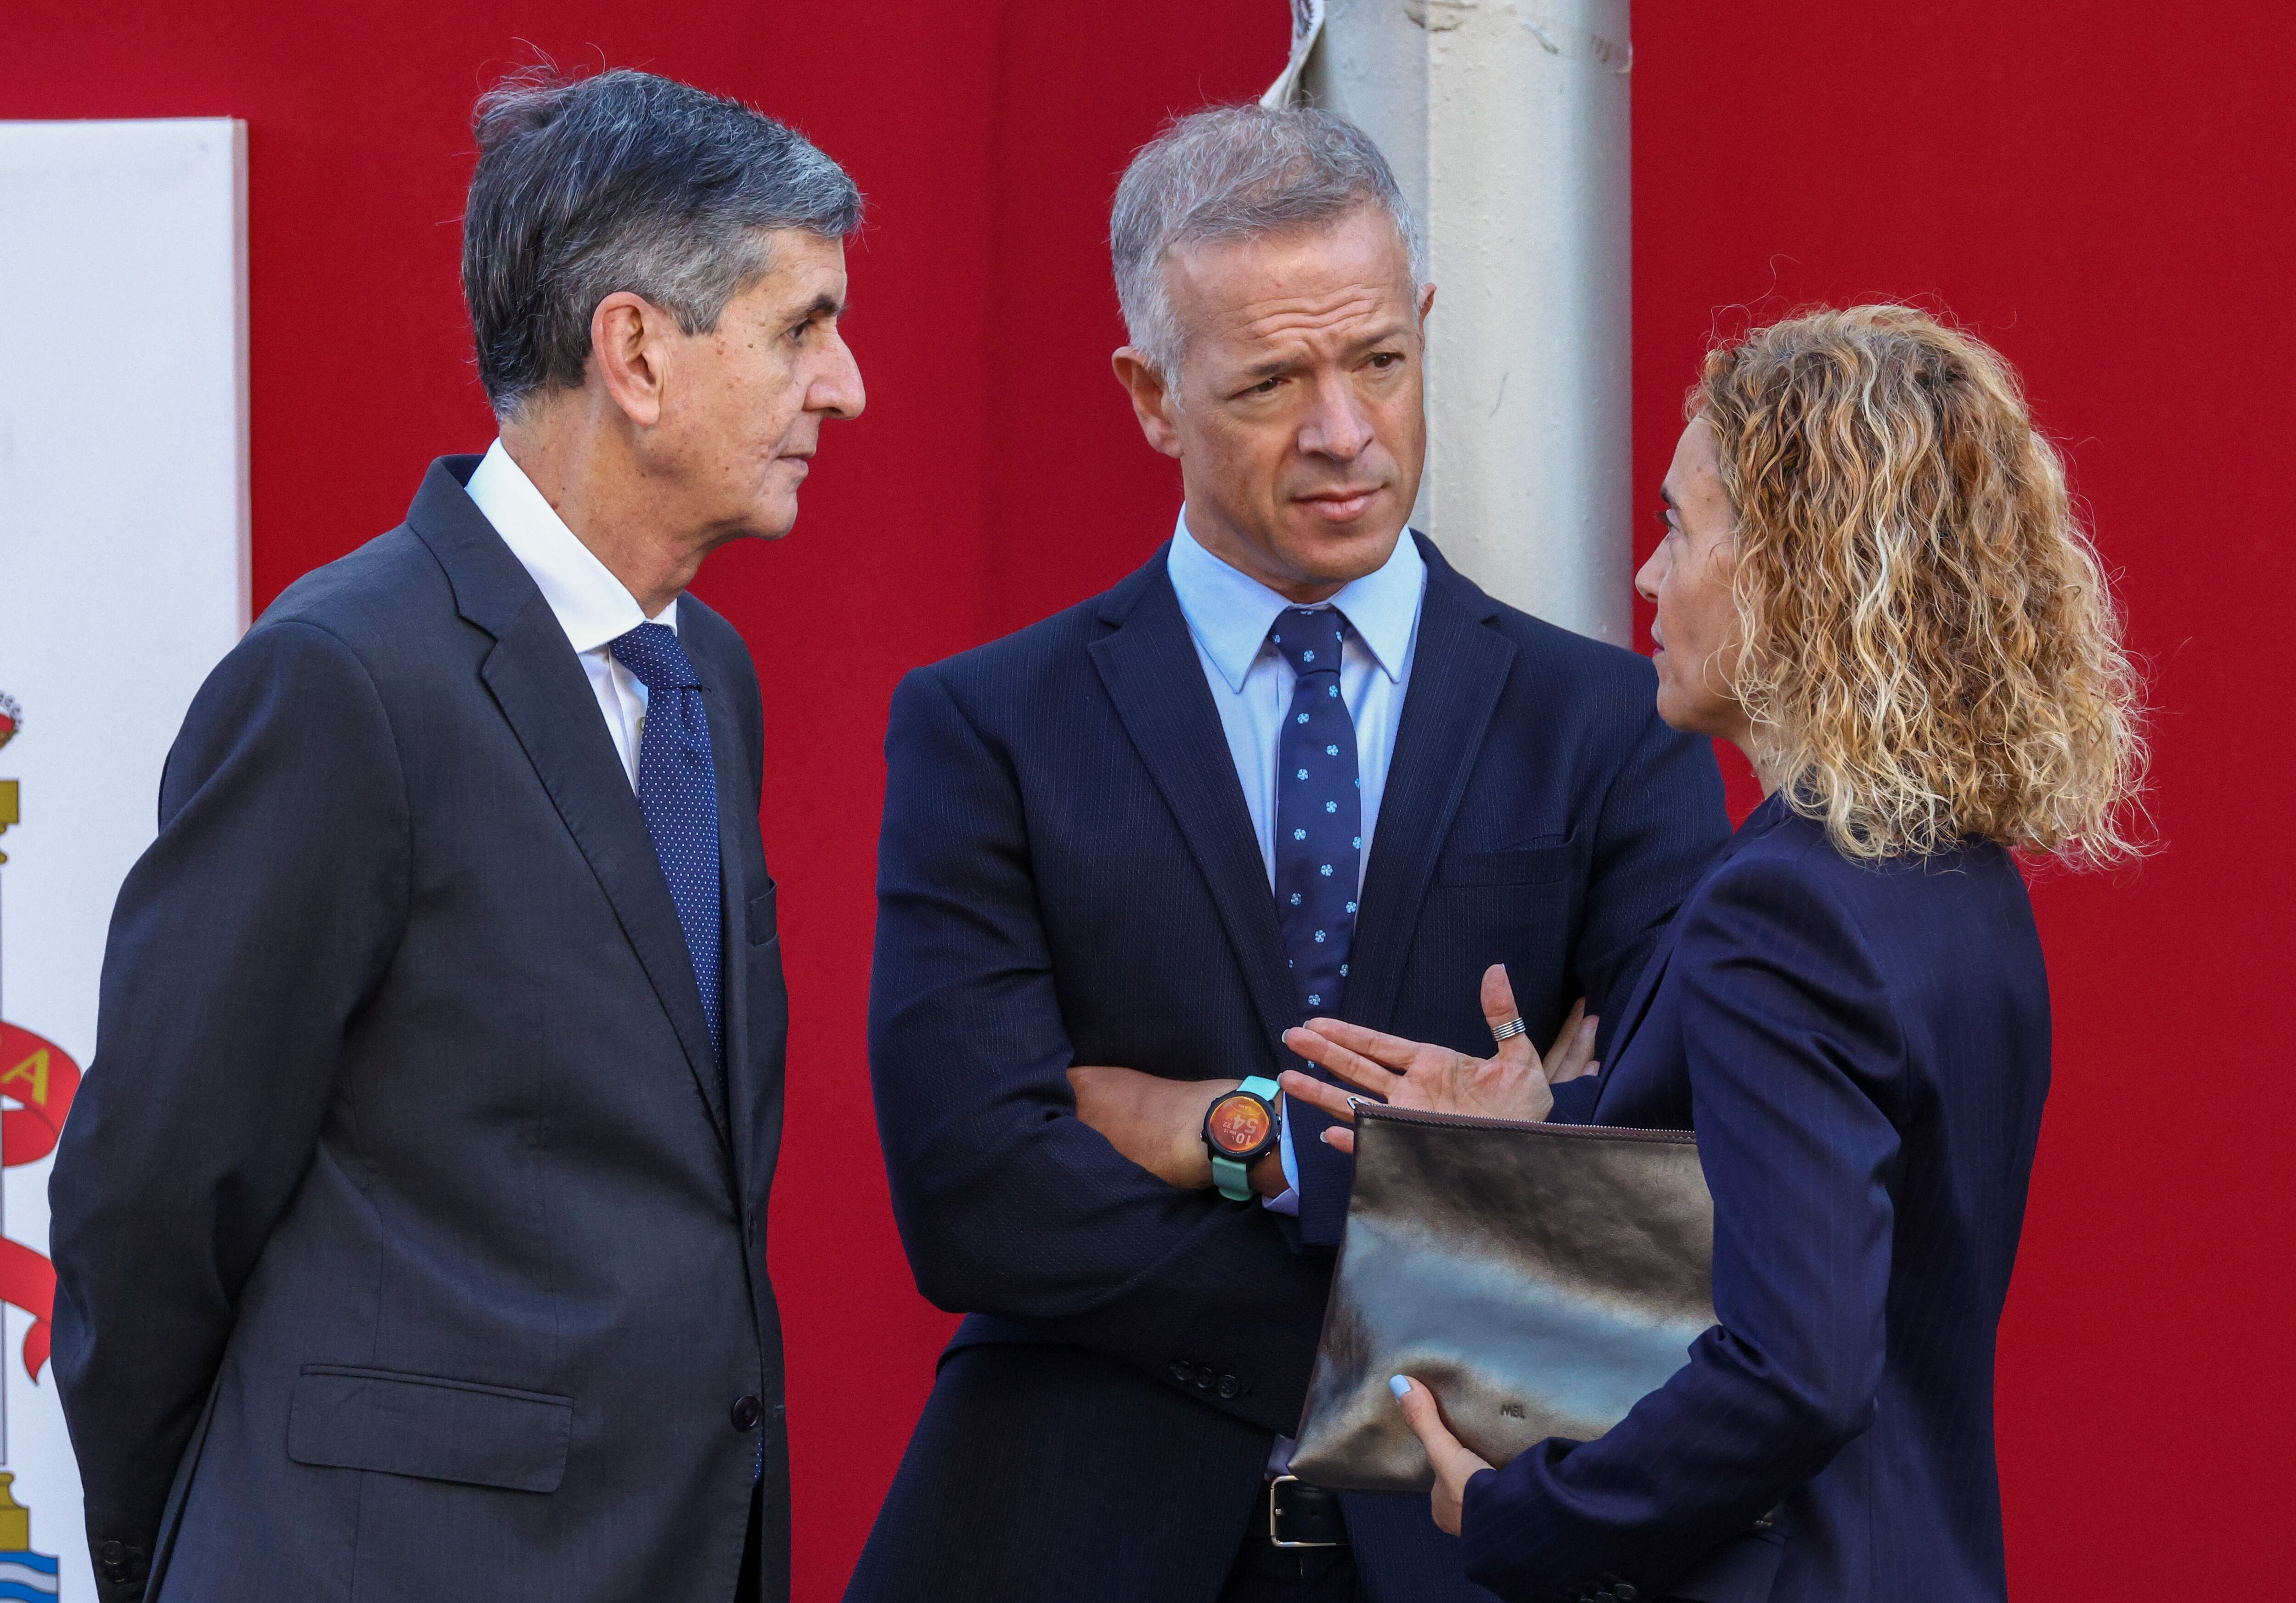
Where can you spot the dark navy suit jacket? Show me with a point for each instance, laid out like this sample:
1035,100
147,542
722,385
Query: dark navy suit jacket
1069,875
408,1236
1864,1052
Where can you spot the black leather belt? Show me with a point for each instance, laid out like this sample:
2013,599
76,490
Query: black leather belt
1301,1516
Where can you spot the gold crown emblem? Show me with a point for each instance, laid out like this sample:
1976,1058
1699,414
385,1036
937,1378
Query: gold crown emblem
12,719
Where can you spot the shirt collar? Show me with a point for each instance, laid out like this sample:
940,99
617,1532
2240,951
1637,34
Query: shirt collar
592,605
1230,613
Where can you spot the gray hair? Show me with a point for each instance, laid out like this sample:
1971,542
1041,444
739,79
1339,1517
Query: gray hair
1237,172
623,181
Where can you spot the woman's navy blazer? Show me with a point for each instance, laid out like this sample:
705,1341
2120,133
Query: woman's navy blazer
1863,1051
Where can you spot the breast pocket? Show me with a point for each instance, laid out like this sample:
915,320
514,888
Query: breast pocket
1543,861
759,919
762,971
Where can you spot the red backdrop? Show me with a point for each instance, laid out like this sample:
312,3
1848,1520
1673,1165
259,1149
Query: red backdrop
2107,200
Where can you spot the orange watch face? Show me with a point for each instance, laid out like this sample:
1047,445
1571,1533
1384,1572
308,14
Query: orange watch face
1239,1123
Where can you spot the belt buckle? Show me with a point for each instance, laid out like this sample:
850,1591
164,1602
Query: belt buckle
1278,1502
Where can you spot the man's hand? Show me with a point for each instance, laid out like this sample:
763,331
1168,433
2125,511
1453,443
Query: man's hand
1159,1124
1455,1464
1513,1084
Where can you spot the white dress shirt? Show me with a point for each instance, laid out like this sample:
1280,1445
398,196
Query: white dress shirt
591,604
1229,615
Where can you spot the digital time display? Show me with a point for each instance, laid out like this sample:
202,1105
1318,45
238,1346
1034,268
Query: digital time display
1239,1123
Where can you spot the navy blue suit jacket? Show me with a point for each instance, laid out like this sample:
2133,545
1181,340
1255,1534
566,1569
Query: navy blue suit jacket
1069,875
407,1230
1864,1052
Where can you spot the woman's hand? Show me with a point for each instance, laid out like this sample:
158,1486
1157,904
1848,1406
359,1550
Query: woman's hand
1514,1083
1455,1464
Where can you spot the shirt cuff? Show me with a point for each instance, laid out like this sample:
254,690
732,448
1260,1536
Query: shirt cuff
1288,1203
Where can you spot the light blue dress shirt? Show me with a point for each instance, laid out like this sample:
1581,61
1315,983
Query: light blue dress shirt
1229,614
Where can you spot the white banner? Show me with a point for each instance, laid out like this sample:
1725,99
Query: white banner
123,579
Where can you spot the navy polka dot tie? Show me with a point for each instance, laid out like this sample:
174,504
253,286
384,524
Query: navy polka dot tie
1318,810
677,793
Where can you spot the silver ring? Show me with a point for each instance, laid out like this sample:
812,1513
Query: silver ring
1510,1030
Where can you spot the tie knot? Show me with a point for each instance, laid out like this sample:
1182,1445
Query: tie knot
1310,638
652,651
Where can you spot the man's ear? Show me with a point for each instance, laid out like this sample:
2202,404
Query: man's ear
1152,401
629,351
1426,305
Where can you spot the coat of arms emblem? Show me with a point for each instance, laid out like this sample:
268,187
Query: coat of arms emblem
37,1081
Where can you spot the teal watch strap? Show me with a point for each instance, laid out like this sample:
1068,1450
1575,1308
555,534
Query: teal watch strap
1233,1179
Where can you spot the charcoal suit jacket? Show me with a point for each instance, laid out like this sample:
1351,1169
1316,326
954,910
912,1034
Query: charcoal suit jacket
1069,874
410,1239
1864,1052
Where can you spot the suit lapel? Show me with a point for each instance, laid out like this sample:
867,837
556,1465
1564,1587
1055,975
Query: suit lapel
544,695
1150,671
737,824
1637,1009
1151,674
1638,1003
1458,669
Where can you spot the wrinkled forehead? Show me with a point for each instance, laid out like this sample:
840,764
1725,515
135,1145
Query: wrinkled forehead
792,265
1298,281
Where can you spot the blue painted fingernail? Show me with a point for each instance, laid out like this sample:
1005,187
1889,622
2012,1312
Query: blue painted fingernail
1400,1386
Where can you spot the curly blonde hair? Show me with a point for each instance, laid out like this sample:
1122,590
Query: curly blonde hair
1930,649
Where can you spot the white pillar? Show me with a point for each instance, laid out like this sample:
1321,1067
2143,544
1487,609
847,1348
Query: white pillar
1506,123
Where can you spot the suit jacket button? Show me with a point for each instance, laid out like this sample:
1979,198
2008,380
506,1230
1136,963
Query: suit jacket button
1183,1370
1229,1386
747,1412
1625,1592
1206,1379
112,1552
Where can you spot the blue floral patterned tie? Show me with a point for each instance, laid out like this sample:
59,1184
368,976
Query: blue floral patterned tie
1318,851
1318,810
677,793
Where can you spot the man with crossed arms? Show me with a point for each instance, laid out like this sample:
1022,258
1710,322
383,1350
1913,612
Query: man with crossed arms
1084,825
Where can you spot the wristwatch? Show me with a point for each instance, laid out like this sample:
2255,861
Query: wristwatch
1241,1127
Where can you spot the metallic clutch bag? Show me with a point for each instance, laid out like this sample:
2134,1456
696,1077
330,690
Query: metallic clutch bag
1539,1279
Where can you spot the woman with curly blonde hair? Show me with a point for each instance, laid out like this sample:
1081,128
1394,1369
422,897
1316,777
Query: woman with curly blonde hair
1873,582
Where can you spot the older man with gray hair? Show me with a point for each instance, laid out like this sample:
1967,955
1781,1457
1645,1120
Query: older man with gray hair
409,1230
1295,765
